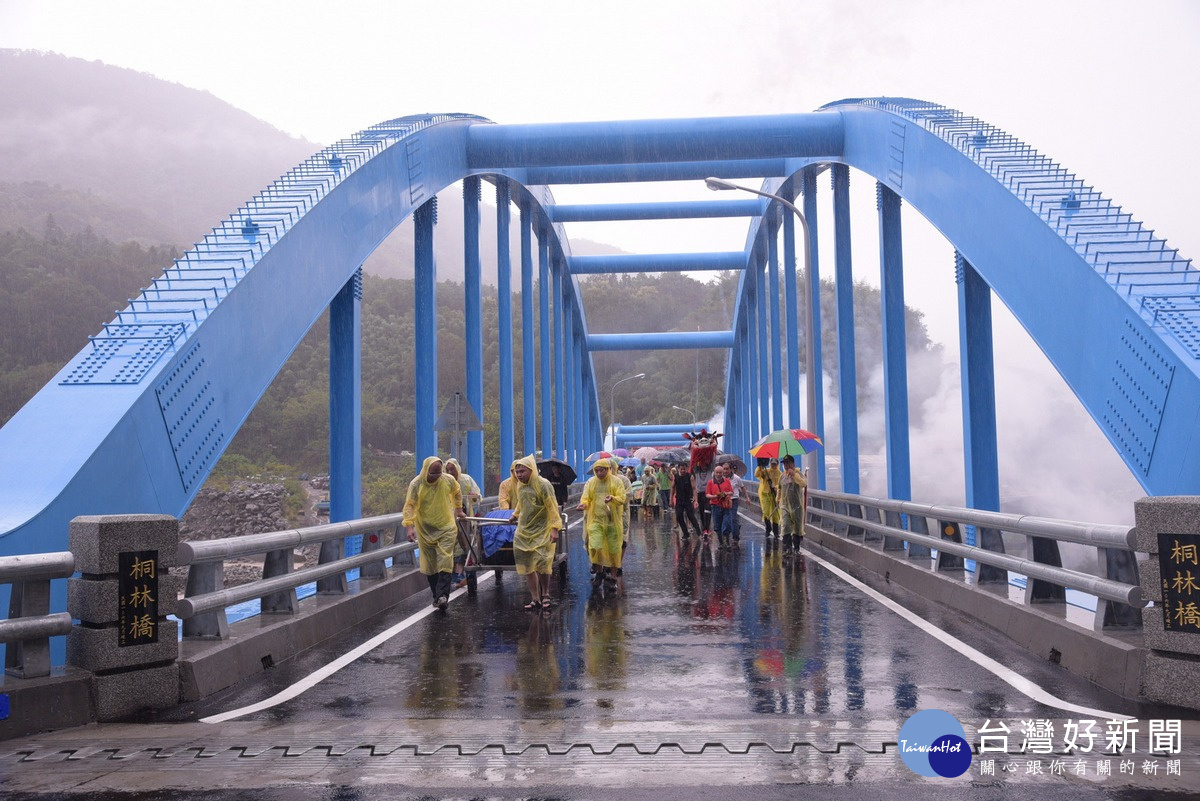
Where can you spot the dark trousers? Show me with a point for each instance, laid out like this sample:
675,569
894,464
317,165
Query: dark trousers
735,522
682,510
439,585
705,513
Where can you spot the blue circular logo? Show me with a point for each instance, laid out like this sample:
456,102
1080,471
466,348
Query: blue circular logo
933,743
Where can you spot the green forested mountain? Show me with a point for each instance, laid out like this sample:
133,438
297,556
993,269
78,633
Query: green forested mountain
136,157
57,288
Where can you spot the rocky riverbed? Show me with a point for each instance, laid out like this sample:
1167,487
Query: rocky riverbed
251,506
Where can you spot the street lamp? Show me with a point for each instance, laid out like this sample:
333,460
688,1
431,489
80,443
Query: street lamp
689,411
612,405
810,352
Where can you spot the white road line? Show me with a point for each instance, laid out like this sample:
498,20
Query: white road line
1008,676
319,675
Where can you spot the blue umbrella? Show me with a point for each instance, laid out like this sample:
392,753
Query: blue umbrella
630,462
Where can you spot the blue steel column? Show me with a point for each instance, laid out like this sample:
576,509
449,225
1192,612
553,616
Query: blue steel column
895,361
752,351
473,325
978,387
544,340
746,405
761,302
813,308
560,433
847,374
792,323
345,406
425,334
776,335
744,401
568,346
528,393
580,353
504,309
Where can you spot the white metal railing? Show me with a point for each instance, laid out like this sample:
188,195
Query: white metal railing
27,631
904,527
202,609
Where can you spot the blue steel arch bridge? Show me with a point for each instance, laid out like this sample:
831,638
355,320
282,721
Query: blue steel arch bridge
135,422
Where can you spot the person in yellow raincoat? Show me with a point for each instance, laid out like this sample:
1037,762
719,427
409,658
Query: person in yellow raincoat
649,493
471,494
504,495
792,494
768,476
431,511
603,504
538,523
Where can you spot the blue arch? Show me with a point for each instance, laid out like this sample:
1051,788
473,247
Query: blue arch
136,420
1113,307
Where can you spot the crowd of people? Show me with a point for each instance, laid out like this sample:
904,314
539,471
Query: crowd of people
442,496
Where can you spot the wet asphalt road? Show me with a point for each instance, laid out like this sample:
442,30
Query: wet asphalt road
692,632
703,669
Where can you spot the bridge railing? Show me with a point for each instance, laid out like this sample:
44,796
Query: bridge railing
203,607
30,625
904,528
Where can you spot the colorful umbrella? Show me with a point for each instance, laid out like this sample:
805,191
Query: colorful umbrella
786,442
598,455
646,452
624,454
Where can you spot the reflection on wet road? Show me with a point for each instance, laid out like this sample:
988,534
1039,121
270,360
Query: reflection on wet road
691,633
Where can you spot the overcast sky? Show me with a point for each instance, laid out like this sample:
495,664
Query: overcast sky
1100,86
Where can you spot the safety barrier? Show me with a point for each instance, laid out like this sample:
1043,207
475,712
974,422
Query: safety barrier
202,609
905,526
30,625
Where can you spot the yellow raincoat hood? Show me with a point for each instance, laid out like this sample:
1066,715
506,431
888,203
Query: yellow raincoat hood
527,461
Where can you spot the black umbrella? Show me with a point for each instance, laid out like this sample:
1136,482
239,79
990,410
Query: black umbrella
733,459
556,471
673,456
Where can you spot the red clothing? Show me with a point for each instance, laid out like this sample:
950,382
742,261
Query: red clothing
713,488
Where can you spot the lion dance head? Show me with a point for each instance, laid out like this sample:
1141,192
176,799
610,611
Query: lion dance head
702,448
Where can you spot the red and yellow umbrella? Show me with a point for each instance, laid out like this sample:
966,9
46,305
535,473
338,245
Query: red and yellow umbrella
786,442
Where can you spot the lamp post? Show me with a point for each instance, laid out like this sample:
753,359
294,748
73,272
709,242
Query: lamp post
689,411
810,353
612,405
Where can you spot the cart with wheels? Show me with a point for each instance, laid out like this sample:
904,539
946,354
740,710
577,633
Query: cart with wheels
487,544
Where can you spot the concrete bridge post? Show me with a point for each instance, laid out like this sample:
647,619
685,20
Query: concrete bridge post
1168,528
122,601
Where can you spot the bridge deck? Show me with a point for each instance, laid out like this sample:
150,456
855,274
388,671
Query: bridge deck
707,668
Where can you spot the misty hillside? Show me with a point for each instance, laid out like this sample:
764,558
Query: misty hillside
138,158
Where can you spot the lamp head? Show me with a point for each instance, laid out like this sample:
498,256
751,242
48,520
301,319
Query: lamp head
717,184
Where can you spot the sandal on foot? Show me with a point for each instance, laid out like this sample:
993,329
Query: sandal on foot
532,605
546,603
